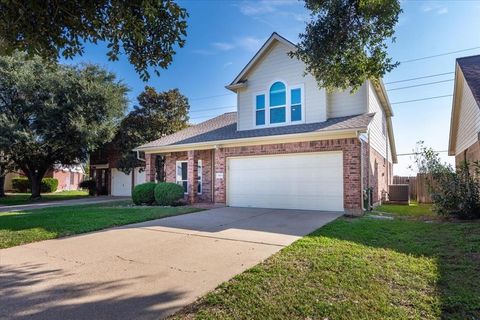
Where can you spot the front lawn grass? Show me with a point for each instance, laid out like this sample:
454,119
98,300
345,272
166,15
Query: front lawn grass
18,228
360,268
24,198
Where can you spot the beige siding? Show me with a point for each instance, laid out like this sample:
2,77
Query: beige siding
378,126
468,119
275,66
341,104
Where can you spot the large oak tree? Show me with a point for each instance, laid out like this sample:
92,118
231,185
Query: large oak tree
52,113
147,31
345,41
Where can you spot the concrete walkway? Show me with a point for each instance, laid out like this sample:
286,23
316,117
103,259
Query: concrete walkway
41,205
147,270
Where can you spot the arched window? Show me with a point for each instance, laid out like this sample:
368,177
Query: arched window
278,102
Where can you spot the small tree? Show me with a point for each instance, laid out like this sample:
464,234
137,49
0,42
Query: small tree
344,43
157,114
51,113
453,191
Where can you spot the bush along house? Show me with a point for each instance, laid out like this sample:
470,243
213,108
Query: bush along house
290,144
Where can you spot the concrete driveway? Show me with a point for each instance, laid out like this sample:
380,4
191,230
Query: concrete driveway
147,270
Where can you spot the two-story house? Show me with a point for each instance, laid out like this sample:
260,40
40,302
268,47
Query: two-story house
464,141
290,144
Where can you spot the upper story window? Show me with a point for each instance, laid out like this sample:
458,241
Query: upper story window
260,110
281,105
278,103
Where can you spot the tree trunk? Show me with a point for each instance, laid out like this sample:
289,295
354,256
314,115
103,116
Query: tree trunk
2,186
35,182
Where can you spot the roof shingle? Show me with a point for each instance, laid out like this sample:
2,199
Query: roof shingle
224,127
471,70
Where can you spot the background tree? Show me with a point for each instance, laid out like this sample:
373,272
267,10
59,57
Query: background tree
52,114
146,31
6,165
157,114
344,43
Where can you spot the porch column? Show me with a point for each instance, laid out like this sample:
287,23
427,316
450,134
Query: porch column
150,167
192,167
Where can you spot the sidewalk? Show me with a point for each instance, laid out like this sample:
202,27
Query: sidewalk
40,205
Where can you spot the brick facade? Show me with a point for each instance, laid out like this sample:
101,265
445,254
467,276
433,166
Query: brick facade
472,153
350,147
380,175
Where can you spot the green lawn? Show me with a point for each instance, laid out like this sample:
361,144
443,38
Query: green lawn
18,228
414,210
359,268
24,198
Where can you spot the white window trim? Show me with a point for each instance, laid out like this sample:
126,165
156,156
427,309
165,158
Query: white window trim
199,173
288,106
177,180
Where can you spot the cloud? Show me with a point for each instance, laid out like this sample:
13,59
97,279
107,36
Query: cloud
434,7
255,8
248,43
223,46
227,64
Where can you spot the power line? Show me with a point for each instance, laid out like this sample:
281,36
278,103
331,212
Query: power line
214,96
420,85
415,153
439,55
423,99
418,78
215,108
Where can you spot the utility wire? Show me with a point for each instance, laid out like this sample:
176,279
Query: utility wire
418,78
415,153
439,55
423,99
214,96
420,85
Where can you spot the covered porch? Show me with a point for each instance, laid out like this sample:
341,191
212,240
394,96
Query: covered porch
193,169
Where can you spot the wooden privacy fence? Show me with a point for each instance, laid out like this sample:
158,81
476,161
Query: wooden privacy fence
418,187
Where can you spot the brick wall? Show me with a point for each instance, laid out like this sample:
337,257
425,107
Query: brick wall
472,154
206,157
379,175
351,164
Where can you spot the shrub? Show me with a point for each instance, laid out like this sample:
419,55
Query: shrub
20,184
144,193
90,185
168,194
48,185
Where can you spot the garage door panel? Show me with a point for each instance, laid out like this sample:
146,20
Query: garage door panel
299,181
121,183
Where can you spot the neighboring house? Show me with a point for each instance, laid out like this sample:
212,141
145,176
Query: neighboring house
289,145
465,121
110,180
69,177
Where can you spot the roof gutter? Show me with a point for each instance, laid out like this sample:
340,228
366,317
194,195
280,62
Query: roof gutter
226,143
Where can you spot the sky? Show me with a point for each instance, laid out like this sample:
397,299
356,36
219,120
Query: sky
223,36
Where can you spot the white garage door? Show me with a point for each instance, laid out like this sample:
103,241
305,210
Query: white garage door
121,183
310,181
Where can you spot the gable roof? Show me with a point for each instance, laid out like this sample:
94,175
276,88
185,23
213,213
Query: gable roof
223,129
239,80
467,68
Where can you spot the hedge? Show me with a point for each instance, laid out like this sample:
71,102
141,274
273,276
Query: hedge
47,185
144,193
168,193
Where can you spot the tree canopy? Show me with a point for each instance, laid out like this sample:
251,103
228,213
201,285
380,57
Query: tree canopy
157,114
345,42
55,114
146,31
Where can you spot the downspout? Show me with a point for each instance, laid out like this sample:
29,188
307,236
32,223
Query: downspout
361,165
138,156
